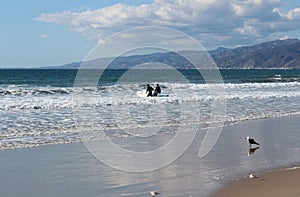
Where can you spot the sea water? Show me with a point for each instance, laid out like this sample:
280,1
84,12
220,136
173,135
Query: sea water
38,107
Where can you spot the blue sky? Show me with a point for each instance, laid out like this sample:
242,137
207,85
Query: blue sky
56,32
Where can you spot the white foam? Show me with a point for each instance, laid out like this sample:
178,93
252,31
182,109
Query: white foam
41,115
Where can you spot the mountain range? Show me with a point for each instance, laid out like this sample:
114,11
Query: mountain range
275,54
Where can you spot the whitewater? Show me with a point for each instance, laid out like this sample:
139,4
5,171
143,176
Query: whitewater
34,114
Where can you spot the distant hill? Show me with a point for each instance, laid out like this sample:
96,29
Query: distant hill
274,54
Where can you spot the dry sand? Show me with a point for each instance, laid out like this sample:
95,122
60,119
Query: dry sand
280,183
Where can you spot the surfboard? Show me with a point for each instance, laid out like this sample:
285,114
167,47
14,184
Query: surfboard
163,95
143,94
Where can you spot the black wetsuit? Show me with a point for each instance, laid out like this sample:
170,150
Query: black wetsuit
149,90
157,90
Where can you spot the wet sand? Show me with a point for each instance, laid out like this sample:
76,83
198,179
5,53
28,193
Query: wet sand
70,170
279,183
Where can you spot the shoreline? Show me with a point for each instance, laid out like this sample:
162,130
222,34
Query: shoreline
225,125
71,170
275,183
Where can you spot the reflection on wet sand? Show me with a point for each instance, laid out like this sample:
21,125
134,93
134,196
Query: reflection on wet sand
252,150
72,166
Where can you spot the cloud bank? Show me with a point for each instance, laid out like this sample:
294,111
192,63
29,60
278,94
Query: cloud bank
213,22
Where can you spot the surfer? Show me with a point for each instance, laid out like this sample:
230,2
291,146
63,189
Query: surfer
149,90
157,90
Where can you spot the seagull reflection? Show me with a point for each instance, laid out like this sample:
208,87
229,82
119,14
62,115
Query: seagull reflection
252,150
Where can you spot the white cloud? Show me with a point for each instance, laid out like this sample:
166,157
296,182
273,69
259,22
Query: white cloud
284,38
260,9
214,22
294,14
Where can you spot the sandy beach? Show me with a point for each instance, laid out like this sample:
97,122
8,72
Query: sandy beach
70,170
279,183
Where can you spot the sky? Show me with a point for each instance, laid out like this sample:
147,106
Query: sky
56,32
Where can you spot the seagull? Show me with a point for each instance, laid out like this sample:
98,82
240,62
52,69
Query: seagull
153,194
251,141
251,176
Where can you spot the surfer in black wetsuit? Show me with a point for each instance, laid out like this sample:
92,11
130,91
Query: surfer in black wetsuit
149,90
157,90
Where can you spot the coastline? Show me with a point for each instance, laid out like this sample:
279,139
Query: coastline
276,183
282,181
70,170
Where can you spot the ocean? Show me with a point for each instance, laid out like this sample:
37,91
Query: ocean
40,106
